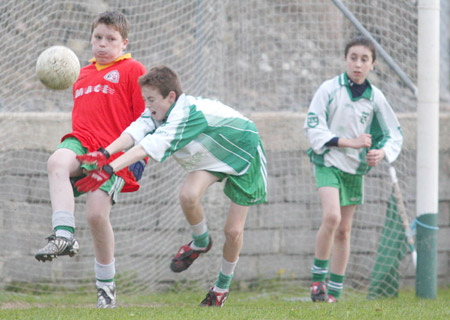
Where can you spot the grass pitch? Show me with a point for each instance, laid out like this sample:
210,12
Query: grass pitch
249,304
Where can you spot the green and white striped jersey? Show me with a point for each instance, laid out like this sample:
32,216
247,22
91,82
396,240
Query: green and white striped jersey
334,113
201,134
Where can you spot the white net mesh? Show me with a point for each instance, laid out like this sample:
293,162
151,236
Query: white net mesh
264,58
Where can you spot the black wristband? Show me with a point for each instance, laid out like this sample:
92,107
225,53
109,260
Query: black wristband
108,169
332,143
106,153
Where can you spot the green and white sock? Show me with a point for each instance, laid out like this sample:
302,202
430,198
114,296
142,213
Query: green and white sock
225,275
335,285
223,282
201,241
200,235
104,273
63,223
319,270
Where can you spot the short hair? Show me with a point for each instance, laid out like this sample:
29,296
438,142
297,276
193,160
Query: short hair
162,78
361,41
113,19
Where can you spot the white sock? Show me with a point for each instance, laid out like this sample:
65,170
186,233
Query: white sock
104,272
63,218
228,267
199,228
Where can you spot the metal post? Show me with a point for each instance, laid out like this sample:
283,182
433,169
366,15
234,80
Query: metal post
427,148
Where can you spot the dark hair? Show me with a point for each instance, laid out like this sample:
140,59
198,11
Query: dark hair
162,78
114,19
361,41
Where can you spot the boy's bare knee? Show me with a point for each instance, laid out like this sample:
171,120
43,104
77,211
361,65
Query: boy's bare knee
233,234
63,163
332,221
54,163
188,199
343,234
96,218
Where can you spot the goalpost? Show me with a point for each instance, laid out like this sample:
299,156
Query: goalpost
428,148
266,59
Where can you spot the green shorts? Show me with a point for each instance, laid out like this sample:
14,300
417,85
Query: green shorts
112,187
251,187
350,185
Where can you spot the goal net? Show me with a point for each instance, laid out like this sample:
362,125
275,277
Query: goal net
265,59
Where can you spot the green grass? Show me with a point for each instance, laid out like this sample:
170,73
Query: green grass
269,303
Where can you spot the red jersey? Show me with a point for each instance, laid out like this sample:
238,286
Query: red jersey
106,100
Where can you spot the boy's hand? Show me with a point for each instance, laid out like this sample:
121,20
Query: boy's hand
99,157
95,179
374,157
137,168
363,141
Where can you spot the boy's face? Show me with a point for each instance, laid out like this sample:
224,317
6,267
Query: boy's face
359,63
158,105
107,44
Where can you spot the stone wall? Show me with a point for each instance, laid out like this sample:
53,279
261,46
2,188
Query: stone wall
279,238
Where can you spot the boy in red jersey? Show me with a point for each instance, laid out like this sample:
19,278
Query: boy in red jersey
107,98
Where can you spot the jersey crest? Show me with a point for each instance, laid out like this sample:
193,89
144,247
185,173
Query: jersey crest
312,120
112,76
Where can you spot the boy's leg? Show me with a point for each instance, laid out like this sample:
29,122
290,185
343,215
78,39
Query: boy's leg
243,191
191,193
234,238
331,216
341,251
341,247
234,231
61,165
98,207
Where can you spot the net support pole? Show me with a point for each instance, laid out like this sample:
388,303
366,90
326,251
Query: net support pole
427,148
199,47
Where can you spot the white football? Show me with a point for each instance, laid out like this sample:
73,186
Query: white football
58,67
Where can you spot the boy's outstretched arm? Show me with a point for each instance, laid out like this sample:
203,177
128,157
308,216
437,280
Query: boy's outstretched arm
131,156
97,177
101,156
124,142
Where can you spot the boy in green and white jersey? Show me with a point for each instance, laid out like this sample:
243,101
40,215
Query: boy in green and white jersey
350,127
212,142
